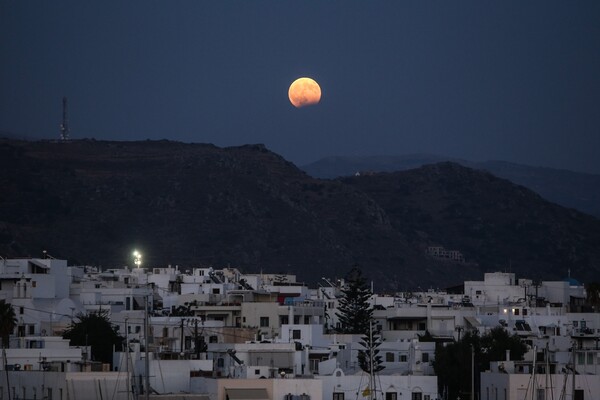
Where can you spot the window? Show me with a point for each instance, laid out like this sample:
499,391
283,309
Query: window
524,311
213,339
417,396
33,284
425,357
580,358
541,394
403,358
296,334
391,396
389,356
314,366
216,291
338,396
422,326
220,362
516,311
257,372
21,310
590,358
31,329
264,322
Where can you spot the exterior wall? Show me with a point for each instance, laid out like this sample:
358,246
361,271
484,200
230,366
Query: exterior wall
49,349
518,386
311,387
253,312
276,389
309,334
271,355
496,288
353,386
173,376
223,384
555,292
41,278
64,385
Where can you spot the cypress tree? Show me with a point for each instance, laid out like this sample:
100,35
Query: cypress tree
354,311
369,359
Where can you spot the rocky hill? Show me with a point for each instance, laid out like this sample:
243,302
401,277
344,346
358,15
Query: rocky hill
491,221
570,189
93,202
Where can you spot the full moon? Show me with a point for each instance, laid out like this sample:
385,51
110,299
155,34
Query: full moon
304,92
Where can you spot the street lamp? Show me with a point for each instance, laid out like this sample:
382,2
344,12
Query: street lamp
137,258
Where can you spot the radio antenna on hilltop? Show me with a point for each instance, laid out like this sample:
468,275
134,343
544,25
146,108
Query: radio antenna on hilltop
64,126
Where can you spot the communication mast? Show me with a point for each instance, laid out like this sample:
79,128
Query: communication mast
64,126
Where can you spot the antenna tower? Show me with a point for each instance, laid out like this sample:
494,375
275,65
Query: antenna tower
64,126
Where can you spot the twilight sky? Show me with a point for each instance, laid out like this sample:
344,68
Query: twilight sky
510,80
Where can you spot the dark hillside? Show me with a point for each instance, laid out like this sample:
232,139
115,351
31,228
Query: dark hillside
187,204
576,190
93,202
494,223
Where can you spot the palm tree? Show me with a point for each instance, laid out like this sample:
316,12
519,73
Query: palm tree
8,321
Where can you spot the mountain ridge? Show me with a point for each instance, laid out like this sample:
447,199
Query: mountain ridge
578,190
93,202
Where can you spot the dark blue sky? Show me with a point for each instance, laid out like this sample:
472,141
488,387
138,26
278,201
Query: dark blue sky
511,80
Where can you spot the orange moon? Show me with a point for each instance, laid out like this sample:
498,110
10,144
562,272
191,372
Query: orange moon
304,92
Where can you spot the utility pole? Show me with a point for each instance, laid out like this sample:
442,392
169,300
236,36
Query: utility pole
472,372
371,377
6,371
127,360
196,341
181,337
146,345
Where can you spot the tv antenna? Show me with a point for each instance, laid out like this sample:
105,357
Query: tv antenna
64,126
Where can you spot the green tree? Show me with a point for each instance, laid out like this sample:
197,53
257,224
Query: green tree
8,321
369,359
355,313
453,362
493,346
94,329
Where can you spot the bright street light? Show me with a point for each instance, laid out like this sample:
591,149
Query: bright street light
137,258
